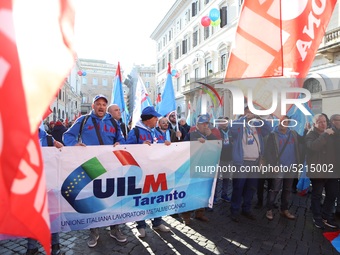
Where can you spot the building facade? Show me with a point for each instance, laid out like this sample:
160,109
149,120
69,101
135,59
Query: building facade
99,79
67,105
147,74
196,53
323,78
200,54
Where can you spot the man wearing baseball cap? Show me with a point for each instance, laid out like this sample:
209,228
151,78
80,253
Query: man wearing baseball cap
96,128
248,134
201,134
202,131
145,133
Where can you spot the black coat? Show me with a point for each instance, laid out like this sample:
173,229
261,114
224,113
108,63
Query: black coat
57,132
320,154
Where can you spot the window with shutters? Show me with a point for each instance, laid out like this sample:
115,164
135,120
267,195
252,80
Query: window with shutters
206,33
177,51
185,45
170,56
197,74
194,8
163,62
223,62
208,68
158,66
164,40
224,17
195,37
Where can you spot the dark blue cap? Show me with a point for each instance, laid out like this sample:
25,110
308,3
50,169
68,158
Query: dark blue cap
150,110
203,119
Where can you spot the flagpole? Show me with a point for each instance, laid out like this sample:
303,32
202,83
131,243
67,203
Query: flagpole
126,130
177,127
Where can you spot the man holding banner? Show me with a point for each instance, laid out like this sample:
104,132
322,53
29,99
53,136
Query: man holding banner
98,129
115,112
145,133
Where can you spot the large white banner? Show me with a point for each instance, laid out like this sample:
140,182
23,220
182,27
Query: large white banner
97,186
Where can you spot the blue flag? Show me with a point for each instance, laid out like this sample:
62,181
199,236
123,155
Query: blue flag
301,120
168,102
118,94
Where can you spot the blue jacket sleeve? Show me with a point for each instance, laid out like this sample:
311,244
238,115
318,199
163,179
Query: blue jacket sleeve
70,137
236,127
131,137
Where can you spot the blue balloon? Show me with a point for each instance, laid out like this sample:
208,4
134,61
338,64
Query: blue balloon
84,73
214,14
173,72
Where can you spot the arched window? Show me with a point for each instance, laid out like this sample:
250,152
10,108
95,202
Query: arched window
313,85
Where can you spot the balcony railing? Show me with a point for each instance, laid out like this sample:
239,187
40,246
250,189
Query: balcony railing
192,84
332,36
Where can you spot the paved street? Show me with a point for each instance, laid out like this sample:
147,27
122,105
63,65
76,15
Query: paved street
219,236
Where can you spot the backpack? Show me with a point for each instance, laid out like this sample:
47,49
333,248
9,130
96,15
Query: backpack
87,116
136,130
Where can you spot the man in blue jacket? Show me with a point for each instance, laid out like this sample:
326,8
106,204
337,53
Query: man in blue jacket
248,147
145,133
97,128
283,149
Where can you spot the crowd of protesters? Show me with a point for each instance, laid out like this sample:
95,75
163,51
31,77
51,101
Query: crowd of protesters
242,146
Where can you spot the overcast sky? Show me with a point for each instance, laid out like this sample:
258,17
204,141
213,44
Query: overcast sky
119,30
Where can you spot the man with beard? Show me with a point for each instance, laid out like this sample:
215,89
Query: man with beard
201,134
321,153
96,128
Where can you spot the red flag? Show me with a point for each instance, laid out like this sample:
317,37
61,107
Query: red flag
33,66
47,113
284,41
